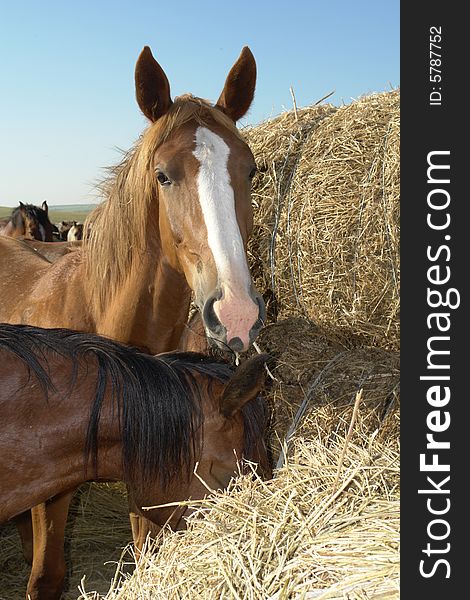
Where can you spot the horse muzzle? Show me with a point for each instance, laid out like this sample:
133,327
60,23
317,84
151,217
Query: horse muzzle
232,320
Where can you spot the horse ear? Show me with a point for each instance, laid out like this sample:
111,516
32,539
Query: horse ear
239,88
21,204
152,89
44,207
245,384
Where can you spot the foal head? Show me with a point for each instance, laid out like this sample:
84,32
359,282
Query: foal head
214,422
203,171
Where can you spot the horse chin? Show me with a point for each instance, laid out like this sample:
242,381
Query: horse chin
219,341
216,342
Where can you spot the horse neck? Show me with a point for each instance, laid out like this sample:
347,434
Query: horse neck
150,308
161,306
60,463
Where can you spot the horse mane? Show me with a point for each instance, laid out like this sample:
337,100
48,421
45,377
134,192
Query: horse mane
12,340
157,399
121,227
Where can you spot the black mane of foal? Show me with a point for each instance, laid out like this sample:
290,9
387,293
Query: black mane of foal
157,399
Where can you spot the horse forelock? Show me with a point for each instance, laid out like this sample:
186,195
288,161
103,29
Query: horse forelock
119,228
255,413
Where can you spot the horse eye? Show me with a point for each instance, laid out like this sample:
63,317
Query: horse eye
163,179
253,172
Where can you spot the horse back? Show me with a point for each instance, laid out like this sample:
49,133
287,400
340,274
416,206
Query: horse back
35,291
52,251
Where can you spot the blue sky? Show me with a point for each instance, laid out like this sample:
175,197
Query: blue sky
67,97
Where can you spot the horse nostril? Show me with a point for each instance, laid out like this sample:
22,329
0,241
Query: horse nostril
262,312
208,314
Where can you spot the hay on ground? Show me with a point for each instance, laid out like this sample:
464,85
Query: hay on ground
308,533
97,531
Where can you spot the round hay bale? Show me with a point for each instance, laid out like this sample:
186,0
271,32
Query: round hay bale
325,243
277,145
313,366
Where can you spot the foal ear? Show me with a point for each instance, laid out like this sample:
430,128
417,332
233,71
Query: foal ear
44,207
245,384
152,89
239,88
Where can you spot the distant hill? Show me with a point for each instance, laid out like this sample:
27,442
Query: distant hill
69,212
59,212
72,207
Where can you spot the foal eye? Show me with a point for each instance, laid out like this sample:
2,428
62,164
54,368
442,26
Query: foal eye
162,178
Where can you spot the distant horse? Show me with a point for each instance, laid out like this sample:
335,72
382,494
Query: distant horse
31,222
75,233
77,407
175,221
63,228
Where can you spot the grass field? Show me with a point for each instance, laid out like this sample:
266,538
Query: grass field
59,213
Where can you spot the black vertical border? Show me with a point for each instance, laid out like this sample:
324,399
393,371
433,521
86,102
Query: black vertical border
424,129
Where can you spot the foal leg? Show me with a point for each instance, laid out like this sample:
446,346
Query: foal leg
139,534
48,570
141,527
24,526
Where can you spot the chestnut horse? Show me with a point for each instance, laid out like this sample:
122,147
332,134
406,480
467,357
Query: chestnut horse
30,222
175,221
78,407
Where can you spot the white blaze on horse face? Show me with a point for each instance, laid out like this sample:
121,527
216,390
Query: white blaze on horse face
236,310
218,207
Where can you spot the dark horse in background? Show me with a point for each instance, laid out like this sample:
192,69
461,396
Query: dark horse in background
29,222
174,223
78,407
